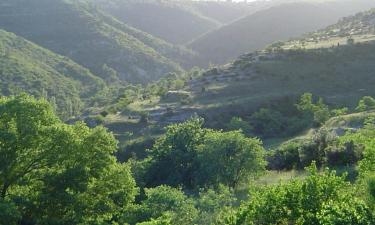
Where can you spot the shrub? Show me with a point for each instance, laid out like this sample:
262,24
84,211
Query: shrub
366,103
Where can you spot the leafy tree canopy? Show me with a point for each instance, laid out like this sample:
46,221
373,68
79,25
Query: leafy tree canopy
53,173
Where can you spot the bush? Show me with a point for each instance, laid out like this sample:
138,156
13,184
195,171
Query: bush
286,157
319,199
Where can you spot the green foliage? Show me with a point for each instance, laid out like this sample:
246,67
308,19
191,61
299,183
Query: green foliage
192,156
319,112
56,173
365,138
285,157
164,201
174,155
352,211
229,158
167,205
9,214
306,202
214,205
268,122
365,104
323,147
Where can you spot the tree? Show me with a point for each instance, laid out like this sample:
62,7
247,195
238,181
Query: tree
366,103
192,156
174,154
57,173
318,112
229,158
268,122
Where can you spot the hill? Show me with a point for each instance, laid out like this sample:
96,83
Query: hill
169,20
179,22
225,12
95,40
281,22
26,67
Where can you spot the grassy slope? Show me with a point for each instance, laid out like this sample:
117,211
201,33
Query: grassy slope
75,30
27,67
264,27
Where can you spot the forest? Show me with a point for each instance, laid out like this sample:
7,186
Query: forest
126,112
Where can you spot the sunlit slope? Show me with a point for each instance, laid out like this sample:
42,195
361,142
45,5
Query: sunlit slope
81,32
262,28
349,30
341,72
26,67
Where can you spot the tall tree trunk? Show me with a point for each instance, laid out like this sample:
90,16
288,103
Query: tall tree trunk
4,191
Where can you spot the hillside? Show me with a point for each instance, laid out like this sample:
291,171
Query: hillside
167,20
340,74
96,41
26,67
281,22
351,29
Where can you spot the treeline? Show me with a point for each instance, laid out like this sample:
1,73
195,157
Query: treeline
54,173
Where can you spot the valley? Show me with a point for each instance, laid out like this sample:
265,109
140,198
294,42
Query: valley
180,112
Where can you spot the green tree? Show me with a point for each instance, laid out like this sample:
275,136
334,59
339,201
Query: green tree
174,155
318,112
267,122
366,103
57,173
229,158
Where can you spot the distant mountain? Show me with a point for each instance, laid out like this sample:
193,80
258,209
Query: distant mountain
95,40
168,20
226,12
281,22
26,67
